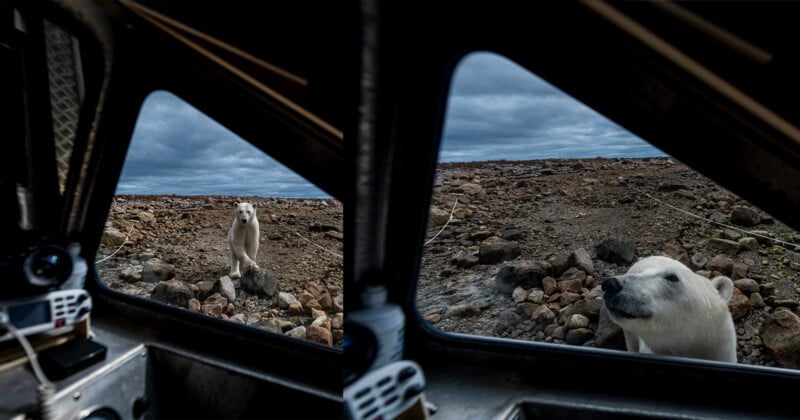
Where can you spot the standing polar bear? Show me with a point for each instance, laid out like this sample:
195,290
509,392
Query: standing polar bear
665,308
243,239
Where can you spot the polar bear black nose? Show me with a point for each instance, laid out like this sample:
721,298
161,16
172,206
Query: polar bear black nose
611,286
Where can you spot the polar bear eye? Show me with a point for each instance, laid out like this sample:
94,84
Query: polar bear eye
672,277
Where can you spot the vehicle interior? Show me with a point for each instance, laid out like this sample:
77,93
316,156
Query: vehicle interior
357,92
662,70
159,361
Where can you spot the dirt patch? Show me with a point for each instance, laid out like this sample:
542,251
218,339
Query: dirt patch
510,213
300,244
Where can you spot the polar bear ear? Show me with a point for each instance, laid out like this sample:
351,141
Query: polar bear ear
724,286
235,204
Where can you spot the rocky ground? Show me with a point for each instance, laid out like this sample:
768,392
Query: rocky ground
174,249
530,242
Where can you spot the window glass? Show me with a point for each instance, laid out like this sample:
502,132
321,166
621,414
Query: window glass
167,235
539,200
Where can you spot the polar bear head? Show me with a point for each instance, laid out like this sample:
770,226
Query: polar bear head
244,212
672,309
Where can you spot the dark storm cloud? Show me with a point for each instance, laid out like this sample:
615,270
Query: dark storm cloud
498,110
178,150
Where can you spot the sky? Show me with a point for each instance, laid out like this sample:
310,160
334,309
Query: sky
496,110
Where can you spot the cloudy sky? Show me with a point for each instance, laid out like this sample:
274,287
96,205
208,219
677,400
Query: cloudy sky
496,110
176,149
499,110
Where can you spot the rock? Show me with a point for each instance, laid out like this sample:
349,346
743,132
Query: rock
698,260
559,333
480,235
194,305
519,295
731,234
322,322
285,325
298,332
205,288
312,304
337,322
438,217
543,315
295,308
589,308
253,319
494,250
739,305
285,299
113,237
748,243
567,298
718,217
224,286
462,311
512,235
739,270
536,296
316,314
156,270
259,281
579,336
549,285
314,289
240,318
608,334
270,324
526,309
577,321
215,305
507,320
572,285
462,213
319,335
325,300
525,274
756,300
723,245
720,263
780,333
747,286
147,218
559,264
470,189
305,297
573,274
338,303
433,317
676,253
173,292
745,216
131,274
464,260
618,251
334,235
581,260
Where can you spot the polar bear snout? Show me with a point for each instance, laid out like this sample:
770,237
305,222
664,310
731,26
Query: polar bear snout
611,286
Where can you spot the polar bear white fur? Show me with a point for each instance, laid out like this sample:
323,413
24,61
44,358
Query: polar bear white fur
243,239
665,308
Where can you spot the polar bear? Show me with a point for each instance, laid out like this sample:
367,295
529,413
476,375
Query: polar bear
665,308
243,239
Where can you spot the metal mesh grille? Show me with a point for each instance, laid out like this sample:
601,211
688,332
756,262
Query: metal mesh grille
64,95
